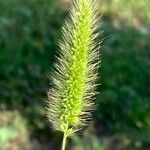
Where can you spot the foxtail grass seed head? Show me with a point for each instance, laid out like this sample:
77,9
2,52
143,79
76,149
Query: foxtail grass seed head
70,98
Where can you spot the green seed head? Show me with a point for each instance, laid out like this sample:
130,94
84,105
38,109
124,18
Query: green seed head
69,100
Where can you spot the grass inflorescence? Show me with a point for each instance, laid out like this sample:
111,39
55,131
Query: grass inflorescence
69,100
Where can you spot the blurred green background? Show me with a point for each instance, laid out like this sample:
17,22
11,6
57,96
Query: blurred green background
29,33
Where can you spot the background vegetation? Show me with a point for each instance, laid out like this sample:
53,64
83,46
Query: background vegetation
29,33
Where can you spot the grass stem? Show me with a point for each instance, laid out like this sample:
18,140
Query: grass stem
64,141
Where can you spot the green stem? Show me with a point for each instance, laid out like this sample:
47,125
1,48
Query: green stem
64,141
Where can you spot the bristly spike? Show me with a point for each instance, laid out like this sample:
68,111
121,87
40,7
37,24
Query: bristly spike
69,100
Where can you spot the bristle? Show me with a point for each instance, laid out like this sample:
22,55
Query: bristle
70,99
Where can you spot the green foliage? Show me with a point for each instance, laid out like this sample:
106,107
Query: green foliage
12,126
27,37
123,104
92,143
6,134
131,11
